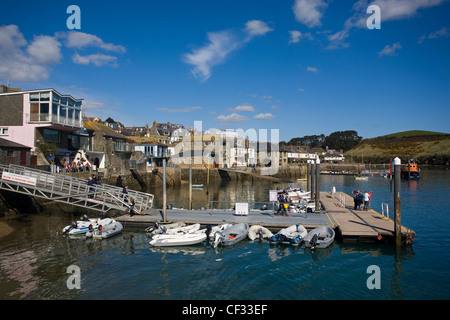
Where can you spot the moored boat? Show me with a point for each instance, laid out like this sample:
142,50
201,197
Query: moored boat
231,235
259,232
292,235
179,239
321,237
410,171
105,231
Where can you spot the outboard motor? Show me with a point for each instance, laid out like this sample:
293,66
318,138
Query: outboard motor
218,237
313,241
208,232
73,225
85,218
260,233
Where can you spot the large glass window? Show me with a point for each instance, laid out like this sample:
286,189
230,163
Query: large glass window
51,135
34,112
45,96
34,96
45,108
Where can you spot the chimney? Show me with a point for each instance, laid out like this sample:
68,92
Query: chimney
326,148
292,147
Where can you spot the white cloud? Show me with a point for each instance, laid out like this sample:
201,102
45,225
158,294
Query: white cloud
390,10
257,28
312,69
20,61
264,116
92,105
444,32
80,40
220,45
309,12
234,117
390,50
98,59
301,90
296,36
187,109
45,49
244,107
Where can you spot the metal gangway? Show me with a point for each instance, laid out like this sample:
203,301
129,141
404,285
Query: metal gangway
71,190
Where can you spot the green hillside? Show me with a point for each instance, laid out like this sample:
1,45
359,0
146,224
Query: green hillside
426,147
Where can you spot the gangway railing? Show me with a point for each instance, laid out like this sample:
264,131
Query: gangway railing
71,190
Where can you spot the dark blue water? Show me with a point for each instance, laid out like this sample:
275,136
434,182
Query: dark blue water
34,257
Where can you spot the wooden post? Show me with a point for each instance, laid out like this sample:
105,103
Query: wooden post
190,184
317,184
308,176
164,192
397,203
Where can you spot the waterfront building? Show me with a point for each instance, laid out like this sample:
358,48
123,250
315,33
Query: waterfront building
42,120
15,153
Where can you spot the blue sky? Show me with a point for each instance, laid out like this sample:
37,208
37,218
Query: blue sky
304,67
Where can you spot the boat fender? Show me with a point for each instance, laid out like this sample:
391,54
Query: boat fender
100,227
91,227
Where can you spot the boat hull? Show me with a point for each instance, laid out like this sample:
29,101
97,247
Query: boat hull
171,240
321,237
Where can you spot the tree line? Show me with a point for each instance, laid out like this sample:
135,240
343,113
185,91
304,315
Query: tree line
338,140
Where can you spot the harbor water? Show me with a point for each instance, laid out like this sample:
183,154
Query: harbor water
35,255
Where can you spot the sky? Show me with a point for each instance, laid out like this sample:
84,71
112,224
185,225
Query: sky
303,67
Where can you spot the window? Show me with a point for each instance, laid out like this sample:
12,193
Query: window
34,112
3,131
44,115
51,135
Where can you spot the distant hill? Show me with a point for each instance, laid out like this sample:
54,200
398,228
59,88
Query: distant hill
426,147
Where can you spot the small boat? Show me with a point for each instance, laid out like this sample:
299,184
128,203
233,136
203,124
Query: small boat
362,178
186,229
292,235
259,232
231,235
321,237
179,239
82,226
157,228
105,231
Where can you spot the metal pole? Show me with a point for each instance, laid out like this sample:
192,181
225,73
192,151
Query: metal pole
313,182
190,185
164,192
308,176
318,184
397,203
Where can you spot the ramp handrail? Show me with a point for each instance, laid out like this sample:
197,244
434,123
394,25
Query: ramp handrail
64,188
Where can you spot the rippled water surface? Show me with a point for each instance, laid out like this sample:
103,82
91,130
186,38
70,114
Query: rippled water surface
35,256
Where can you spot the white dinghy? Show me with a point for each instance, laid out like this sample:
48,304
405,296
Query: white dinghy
177,239
259,232
108,228
321,237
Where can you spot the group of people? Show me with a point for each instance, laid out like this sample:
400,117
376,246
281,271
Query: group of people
91,183
362,199
125,199
283,200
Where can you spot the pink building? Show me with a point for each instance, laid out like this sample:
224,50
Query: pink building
40,118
